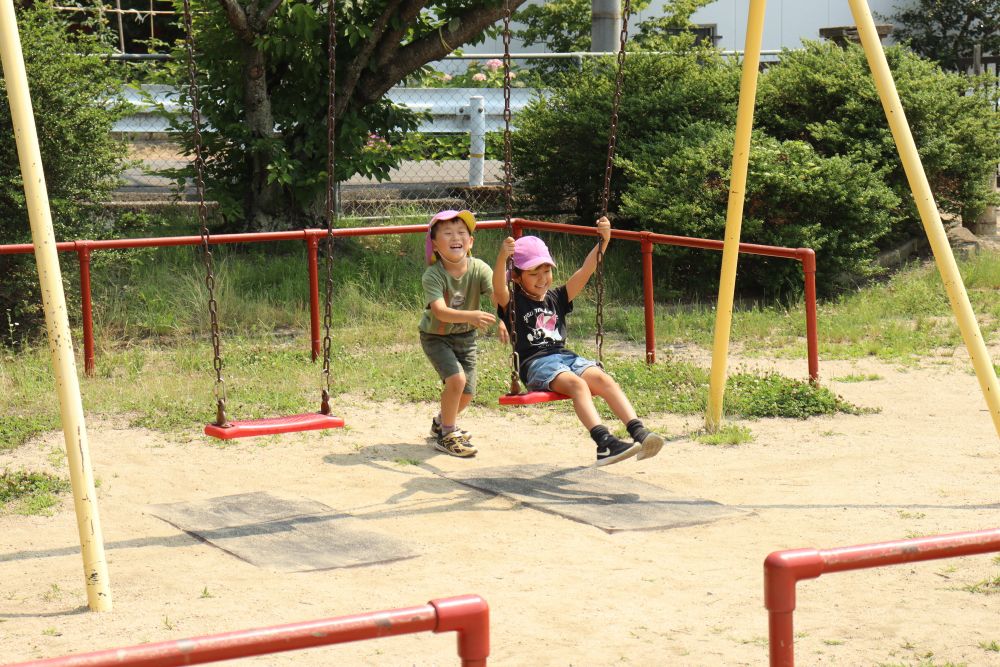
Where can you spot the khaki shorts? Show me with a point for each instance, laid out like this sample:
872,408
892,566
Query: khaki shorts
452,354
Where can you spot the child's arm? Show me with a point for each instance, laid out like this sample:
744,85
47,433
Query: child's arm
501,295
578,280
477,318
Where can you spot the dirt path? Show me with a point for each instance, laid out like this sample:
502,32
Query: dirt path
561,593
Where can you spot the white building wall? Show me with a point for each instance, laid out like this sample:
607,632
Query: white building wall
786,22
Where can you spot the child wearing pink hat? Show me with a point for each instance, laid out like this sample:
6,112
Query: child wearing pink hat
539,335
455,285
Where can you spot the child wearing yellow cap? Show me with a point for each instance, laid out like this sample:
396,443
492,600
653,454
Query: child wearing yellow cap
455,286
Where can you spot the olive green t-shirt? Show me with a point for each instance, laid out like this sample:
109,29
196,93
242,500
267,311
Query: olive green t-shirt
465,293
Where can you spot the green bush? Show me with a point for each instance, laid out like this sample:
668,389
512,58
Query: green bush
559,150
679,184
71,82
825,95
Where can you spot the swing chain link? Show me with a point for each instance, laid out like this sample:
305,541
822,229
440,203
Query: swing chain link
606,193
219,390
515,362
331,203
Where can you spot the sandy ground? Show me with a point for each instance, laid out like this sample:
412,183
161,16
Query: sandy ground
561,592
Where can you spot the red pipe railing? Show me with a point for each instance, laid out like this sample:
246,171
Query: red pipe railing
467,615
311,237
783,569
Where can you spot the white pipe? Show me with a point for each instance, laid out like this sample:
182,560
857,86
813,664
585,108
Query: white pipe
477,139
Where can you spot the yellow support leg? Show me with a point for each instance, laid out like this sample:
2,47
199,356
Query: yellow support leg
734,214
56,319
928,209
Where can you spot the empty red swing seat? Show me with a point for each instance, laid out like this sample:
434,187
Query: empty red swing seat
310,421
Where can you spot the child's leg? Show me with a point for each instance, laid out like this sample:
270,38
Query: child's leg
609,448
451,399
578,390
603,385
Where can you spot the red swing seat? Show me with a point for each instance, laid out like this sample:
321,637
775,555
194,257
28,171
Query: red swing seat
532,397
310,421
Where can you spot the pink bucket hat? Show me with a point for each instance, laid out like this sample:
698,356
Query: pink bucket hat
465,216
531,252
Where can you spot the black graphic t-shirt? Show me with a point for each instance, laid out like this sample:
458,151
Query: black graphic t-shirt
541,325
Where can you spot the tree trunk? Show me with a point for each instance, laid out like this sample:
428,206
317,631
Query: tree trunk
264,207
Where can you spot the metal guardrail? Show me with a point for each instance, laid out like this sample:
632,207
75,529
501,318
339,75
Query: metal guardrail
467,616
312,237
425,184
783,569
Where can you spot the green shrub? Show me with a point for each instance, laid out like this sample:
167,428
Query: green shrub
679,184
71,82
26,492
825,95
773,395
559,150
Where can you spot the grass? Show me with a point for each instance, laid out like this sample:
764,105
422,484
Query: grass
858,377
24,492
989,586
727,435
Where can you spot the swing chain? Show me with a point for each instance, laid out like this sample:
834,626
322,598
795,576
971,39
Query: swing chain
515,362
331,203
606,194
206,252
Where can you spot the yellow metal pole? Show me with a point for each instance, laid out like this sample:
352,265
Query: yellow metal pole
734,214
56,319
928,209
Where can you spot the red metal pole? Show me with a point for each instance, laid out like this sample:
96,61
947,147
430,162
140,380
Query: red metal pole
467,615
87,312
783,569
647,298
312,243
812,339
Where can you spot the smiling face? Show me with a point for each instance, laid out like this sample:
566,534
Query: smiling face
535,282
452,240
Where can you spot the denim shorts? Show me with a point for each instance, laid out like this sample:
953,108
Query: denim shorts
542,371
452,354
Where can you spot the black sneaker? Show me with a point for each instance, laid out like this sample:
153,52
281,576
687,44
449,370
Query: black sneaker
651,445
614,450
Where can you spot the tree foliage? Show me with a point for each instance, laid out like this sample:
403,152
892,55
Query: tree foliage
947,30
795,198
560,146
824,170
263,81
825,95
73,87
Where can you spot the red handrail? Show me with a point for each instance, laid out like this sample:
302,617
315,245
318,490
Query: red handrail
83,249
783,569
467,615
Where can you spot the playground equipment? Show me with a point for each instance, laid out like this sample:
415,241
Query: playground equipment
311,237
515,396
222,427
915,175
783,569
88,521
466,615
